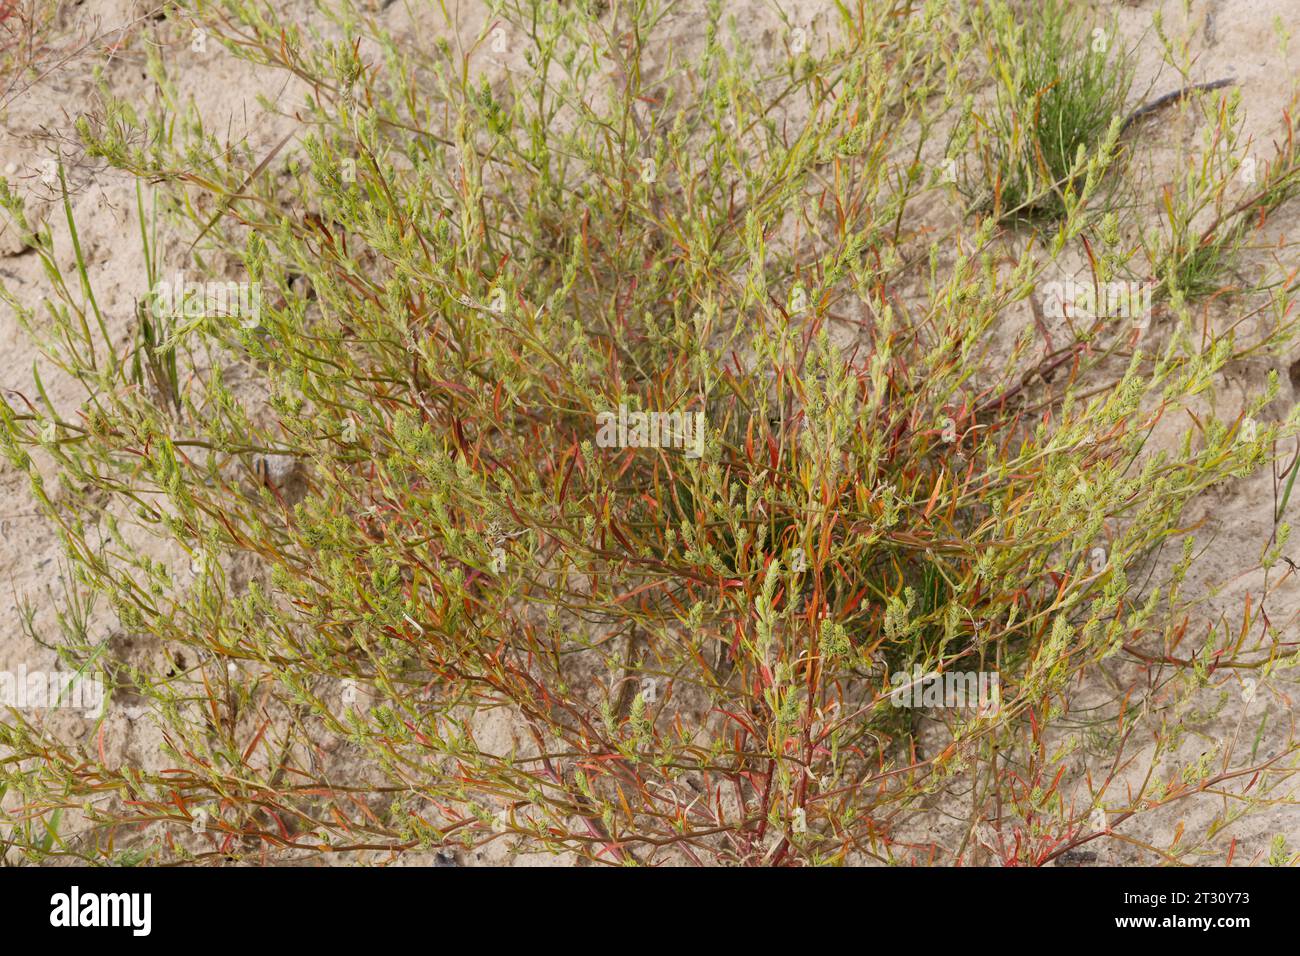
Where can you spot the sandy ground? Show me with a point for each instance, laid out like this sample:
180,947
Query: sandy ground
1233,38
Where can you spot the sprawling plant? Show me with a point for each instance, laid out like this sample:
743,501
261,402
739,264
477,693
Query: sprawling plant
600,421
